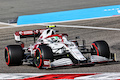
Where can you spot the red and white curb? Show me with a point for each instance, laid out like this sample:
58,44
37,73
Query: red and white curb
58,76
19,75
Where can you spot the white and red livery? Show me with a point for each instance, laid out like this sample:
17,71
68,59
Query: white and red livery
54,50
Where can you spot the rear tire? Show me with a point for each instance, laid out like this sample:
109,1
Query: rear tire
42,52
13,55
100,48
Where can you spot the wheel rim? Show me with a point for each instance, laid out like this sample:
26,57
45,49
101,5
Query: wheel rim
38,58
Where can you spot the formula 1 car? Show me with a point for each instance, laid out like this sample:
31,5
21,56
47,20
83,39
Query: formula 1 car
53,50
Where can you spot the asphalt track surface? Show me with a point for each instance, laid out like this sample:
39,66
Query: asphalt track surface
10,9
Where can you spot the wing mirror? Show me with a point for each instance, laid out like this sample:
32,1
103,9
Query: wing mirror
56,30
77,37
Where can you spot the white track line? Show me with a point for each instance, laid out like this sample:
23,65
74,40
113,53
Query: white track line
46,24
70,26
16,26
6,23
89,27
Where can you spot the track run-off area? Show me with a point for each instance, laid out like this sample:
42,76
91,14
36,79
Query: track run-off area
90,35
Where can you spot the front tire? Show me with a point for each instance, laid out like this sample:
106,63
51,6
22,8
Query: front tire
100,48
42,52
13,55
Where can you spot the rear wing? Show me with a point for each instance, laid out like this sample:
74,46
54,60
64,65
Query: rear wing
28,33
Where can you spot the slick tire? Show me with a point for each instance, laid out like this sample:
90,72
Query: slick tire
13,55
100,48
42,52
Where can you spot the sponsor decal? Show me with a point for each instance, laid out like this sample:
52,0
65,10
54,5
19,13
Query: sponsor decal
118,11
27,32
47,63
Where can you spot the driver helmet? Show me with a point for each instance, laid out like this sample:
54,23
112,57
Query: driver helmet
55,38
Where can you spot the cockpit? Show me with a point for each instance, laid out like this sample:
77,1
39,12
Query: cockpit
50,36
47,33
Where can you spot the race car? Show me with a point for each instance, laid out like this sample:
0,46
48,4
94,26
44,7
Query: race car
54,50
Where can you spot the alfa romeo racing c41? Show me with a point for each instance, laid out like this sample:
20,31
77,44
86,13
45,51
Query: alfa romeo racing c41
53,50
